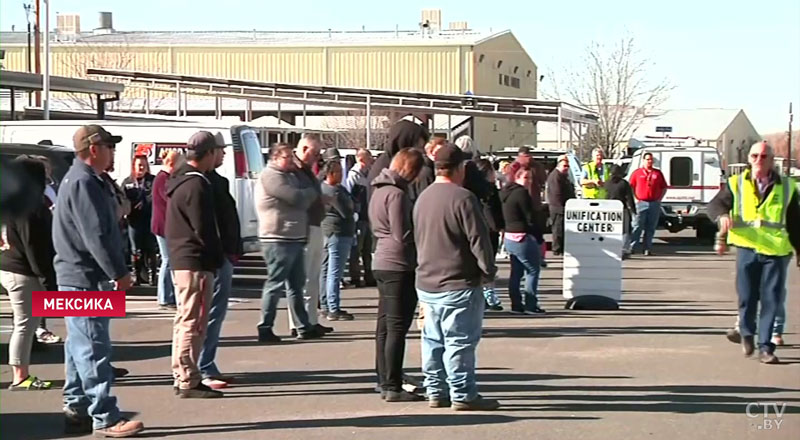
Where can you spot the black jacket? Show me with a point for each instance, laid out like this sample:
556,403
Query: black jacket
339,219
424,179
141,198
30,246
403,134
518,211
722,203
227,216
191,231
559,190
619,189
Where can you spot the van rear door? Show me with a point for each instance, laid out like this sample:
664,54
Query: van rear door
683,170
248,163
712,176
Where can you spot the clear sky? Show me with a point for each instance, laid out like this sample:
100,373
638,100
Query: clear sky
718,53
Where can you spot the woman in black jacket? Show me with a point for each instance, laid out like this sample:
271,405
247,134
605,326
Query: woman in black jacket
26,265
138,189
522,239
617,188
393,266
493,212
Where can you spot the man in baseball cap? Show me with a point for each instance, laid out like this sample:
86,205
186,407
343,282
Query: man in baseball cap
87,241
89,135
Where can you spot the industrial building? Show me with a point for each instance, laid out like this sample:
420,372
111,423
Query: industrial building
430,59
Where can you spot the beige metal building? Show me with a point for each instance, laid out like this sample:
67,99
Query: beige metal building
431,59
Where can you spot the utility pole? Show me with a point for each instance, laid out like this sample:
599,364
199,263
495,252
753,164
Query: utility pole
789,155
37,51
46,81
28,7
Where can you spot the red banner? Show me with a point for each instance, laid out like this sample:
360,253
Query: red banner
77,303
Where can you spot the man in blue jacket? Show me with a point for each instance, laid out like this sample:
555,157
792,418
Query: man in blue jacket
87,242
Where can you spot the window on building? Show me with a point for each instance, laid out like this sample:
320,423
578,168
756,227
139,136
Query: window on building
500,79
514,82
505,80
680,171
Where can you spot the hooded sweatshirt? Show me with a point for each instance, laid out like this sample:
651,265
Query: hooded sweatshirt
518,211
403,134
390,218
191,230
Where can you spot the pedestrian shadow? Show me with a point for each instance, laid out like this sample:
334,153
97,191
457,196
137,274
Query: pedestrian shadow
562,332
37,426
382,421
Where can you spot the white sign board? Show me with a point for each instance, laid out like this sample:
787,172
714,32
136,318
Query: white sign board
593,249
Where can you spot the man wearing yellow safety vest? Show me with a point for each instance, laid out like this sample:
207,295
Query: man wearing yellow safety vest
595,175
759,211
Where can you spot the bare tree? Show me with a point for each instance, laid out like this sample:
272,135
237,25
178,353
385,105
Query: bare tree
83,56
615,82
352,126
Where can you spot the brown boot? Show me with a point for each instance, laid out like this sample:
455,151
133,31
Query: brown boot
123,428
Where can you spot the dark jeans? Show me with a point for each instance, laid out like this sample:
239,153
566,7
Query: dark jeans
362,249
557,227
760,278
285,273
397,302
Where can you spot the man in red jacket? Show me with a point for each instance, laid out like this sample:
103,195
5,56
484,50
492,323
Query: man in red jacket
649,187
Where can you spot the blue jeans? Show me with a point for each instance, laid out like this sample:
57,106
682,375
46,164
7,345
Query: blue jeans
88,376
525,259
760,278
647,216
338,247
223,281
166,291
285,274
450,336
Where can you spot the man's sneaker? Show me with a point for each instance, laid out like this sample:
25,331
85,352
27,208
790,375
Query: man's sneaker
733,335
517,312
495,307
123,428
76,424
311,334
434,402
200,391
543,264
777,339
478,404
324,329
647,253
47,337
748,345
340,315
768,358
268,337
535,311
215,384
403,396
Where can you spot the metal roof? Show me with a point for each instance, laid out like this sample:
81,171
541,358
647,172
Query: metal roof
359,98
701,123
31,81
266,38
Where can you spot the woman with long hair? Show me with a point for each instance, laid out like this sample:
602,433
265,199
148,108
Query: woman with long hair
522,238
393,266
138,189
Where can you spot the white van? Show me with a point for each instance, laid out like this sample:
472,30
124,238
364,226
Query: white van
242,165
694,177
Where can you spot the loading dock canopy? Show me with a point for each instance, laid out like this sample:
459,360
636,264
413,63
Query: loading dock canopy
32,82
359,98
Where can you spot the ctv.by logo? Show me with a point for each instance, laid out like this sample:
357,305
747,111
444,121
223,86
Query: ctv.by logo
771,414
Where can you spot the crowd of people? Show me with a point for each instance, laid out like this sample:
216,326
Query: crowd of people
424,222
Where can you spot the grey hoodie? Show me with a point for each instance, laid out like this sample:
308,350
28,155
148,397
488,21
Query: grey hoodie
390,218
282,202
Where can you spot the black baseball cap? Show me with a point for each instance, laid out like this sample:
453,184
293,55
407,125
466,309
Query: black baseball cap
448,156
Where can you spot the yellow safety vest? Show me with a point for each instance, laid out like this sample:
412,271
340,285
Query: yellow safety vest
591,171
761,228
